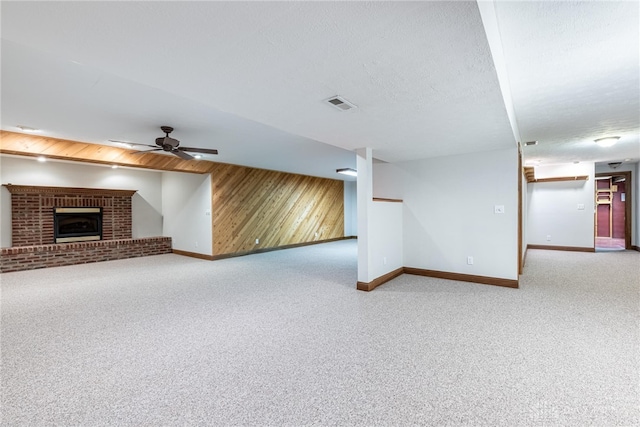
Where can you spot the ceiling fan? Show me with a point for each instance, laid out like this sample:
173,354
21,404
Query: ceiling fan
171,145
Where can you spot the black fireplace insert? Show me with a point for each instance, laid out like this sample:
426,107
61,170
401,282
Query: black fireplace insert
77,224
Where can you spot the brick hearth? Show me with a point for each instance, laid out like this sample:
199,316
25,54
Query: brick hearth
31,257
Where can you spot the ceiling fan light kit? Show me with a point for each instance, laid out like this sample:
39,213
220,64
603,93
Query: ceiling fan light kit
608,141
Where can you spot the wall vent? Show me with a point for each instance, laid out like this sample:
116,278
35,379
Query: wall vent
340,103
530,143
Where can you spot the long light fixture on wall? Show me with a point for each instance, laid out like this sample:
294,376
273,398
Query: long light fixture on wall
347,171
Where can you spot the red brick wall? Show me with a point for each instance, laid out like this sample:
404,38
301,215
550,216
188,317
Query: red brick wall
32,215
54,255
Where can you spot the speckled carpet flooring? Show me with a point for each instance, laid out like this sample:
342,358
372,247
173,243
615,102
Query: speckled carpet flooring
284,339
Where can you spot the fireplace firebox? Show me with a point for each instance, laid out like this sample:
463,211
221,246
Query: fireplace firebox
77,224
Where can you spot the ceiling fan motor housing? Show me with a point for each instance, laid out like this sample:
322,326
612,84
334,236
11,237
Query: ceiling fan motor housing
167,142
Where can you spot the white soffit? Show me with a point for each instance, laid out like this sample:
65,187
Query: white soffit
421,73
73,101
574,73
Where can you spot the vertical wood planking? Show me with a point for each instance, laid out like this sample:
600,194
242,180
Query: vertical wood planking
276,207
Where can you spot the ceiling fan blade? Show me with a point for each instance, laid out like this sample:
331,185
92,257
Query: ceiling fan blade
182,155
131,143
146,151
198,150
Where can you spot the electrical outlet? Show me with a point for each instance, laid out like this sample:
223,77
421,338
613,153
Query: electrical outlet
470,260
548,237
580,206
499,209
257,241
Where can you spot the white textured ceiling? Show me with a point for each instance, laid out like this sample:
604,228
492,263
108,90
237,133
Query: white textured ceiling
574,74
249,78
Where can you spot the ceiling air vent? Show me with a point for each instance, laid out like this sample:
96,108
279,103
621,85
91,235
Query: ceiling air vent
530,143
340,103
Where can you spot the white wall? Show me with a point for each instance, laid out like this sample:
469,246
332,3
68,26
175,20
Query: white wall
186,204
385,238
553,207
146,204
388,181
448,211
350,209
634,168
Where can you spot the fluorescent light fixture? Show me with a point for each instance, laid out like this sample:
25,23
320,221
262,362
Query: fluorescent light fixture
197,156
42,159
114,166
27,129
603,177
347,171
608,141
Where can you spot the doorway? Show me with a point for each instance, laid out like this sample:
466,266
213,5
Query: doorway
613,211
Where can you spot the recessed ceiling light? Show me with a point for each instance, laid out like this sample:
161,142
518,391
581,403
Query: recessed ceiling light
27,128
42,159
608,141
197,156
114,166
627,160
347,171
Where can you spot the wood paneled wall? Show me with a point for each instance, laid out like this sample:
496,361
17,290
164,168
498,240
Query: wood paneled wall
277,208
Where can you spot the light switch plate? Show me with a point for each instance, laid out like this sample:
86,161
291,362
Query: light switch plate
580,206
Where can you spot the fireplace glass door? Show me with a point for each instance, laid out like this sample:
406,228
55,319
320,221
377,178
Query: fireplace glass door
77,224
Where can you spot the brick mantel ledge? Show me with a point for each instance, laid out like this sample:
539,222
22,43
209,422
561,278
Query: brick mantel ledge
21,258
35,189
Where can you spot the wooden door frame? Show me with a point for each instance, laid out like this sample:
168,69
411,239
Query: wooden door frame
520,219
628,202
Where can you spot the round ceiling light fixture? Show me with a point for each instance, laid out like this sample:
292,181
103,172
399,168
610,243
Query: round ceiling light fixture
608,141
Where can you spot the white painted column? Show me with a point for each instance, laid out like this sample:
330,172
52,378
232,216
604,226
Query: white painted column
364,157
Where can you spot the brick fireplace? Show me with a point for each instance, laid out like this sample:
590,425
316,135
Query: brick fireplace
32,211
32,226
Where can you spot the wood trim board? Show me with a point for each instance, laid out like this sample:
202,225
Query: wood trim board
561,248
34,189
369,286
193,254
381,199
563,178
485,280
